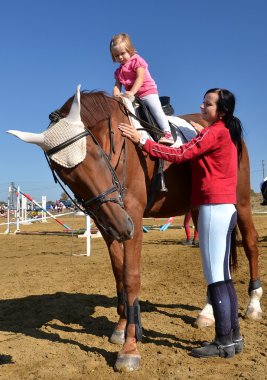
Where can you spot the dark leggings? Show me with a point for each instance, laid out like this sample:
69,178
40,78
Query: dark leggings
225,307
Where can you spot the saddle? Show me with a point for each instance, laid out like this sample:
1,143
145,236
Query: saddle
166,106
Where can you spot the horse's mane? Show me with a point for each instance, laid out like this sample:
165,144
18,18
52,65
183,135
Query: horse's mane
94,107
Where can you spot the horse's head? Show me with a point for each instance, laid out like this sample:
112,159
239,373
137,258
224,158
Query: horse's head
75,143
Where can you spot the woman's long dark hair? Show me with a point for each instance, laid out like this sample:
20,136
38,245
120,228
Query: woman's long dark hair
226,107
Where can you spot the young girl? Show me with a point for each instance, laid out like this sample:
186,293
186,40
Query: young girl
133,74
214,155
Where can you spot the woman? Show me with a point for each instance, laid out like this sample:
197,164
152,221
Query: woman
214,155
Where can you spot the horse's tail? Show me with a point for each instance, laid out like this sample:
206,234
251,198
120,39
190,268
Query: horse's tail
233,260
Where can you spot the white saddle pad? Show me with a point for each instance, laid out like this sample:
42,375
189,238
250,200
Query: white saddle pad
184,130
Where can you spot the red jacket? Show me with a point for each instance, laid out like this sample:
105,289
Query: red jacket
214,164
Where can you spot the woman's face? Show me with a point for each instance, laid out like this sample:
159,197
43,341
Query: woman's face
209,108
120,54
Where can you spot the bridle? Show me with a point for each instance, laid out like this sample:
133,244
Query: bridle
102,198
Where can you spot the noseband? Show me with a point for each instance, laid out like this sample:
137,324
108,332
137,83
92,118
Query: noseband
102,198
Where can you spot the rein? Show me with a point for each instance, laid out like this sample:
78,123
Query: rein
101,198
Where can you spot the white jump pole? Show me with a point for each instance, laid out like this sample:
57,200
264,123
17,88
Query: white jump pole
88,235
18,210
44,208
46,211
23,208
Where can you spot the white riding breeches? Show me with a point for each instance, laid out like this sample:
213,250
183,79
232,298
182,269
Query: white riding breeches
215,225
153,103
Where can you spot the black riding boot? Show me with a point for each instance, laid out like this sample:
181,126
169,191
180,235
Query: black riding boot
237,340
222,346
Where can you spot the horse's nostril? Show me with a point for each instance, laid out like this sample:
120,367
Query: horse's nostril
130,227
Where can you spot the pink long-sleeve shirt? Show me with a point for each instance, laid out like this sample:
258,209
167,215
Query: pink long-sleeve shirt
214,164
126,75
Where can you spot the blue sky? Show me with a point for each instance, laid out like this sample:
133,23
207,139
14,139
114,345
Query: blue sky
48,47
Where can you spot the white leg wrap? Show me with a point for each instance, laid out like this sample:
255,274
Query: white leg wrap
254,308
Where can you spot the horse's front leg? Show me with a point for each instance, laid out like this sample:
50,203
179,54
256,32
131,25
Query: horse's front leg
116,254
129,358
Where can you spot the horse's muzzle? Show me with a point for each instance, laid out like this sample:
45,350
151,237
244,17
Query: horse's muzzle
123,230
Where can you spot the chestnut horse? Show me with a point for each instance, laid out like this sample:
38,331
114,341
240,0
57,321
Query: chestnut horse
113,180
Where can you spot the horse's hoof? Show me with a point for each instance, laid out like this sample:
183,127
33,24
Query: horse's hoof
127,363
118,337
202,321
256,315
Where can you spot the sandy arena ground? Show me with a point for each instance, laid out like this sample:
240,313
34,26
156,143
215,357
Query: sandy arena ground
57,310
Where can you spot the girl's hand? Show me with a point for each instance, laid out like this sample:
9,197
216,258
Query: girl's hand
197,126
129,94
130,132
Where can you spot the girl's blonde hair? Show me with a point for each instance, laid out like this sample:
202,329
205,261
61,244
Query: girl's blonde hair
124,39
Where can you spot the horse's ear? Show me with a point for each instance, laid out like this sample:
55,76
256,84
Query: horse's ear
74,116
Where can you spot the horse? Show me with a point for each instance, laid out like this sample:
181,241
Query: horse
114,182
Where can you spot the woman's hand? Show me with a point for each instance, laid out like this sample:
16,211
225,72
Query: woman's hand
130,132
197,126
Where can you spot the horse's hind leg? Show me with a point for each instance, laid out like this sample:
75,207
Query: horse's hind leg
250,244
249,236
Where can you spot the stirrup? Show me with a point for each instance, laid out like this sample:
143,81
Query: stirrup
163,187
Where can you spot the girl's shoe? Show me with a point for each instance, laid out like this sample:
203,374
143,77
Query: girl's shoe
167,139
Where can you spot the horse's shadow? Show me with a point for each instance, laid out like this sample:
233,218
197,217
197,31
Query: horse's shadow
263,239
167,242
164,339
35,316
